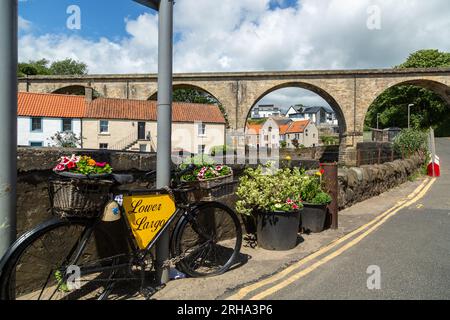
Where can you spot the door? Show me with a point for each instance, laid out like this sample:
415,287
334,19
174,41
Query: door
141,131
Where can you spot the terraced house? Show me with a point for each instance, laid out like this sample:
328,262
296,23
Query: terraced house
117,124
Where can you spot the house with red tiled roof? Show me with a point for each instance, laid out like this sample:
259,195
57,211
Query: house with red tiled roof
41,116
120,124
116,124
302,133
278,131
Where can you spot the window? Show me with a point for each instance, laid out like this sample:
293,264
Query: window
36,144
201,149
36,124
297,136
104,126
67,125
201,129
103,146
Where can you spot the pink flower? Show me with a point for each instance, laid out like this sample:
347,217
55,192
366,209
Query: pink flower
289,201
219,168
101,164
60,168
295,207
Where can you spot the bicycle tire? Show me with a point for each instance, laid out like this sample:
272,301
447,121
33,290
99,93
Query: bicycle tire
195,219
26,243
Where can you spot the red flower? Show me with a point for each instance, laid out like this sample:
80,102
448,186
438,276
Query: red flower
71,165
322,171
101,164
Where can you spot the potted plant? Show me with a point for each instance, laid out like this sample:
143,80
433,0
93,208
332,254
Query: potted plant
80,188
208,180
273,199
315,204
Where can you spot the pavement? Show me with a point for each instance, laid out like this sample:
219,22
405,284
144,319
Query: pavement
396,244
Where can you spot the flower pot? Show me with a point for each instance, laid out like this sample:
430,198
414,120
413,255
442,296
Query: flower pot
278,231
313,217
72,175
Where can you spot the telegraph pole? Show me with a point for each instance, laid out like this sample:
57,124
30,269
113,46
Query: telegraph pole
8,123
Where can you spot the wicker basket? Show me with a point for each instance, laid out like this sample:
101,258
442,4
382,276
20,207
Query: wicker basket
209,190
82,198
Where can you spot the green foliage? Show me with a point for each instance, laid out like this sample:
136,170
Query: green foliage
429,58
256,121
429,108
269,190
283,144
43,67
87,166
321,198
68,67
219,150
330,140
410,141
199,160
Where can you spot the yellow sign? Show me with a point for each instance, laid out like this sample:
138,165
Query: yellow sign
147,215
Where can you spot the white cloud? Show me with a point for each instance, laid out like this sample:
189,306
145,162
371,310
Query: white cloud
246,35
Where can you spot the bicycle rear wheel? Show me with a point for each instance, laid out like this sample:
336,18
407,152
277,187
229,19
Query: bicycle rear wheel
209,240
41,264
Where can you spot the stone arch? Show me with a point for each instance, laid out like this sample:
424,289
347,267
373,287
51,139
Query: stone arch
154,96
308,86
440,88
78,90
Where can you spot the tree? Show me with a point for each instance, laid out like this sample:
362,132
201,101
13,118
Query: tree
68,67
33,68
429,108
66,140
43,67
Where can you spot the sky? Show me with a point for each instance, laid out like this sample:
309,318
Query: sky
120,36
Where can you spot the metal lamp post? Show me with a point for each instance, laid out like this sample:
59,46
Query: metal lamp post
409,115
8,123
165,91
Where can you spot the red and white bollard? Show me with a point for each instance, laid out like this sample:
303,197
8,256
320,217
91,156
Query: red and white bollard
434,169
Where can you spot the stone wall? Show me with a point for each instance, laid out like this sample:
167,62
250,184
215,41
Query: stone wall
35,165
359,184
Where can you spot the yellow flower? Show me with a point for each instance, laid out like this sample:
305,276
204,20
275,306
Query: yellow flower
318,173
288,158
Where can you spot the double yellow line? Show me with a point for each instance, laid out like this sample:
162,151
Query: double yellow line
418,194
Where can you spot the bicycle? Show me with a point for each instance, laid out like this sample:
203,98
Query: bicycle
76,258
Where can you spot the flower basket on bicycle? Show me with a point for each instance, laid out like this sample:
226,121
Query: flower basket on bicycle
80,188
208,180
207,190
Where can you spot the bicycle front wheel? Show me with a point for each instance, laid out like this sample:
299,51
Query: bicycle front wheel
59,260
208,240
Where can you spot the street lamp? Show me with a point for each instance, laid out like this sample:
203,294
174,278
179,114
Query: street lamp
409,115
165,91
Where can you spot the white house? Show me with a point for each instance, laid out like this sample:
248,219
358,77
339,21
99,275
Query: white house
41,116
320,116
265,111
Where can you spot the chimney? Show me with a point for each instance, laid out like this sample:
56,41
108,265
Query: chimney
88,93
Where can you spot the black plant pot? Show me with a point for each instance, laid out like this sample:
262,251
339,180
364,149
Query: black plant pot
278,231
313,217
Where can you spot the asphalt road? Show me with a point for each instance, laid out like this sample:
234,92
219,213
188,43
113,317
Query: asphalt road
411,252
